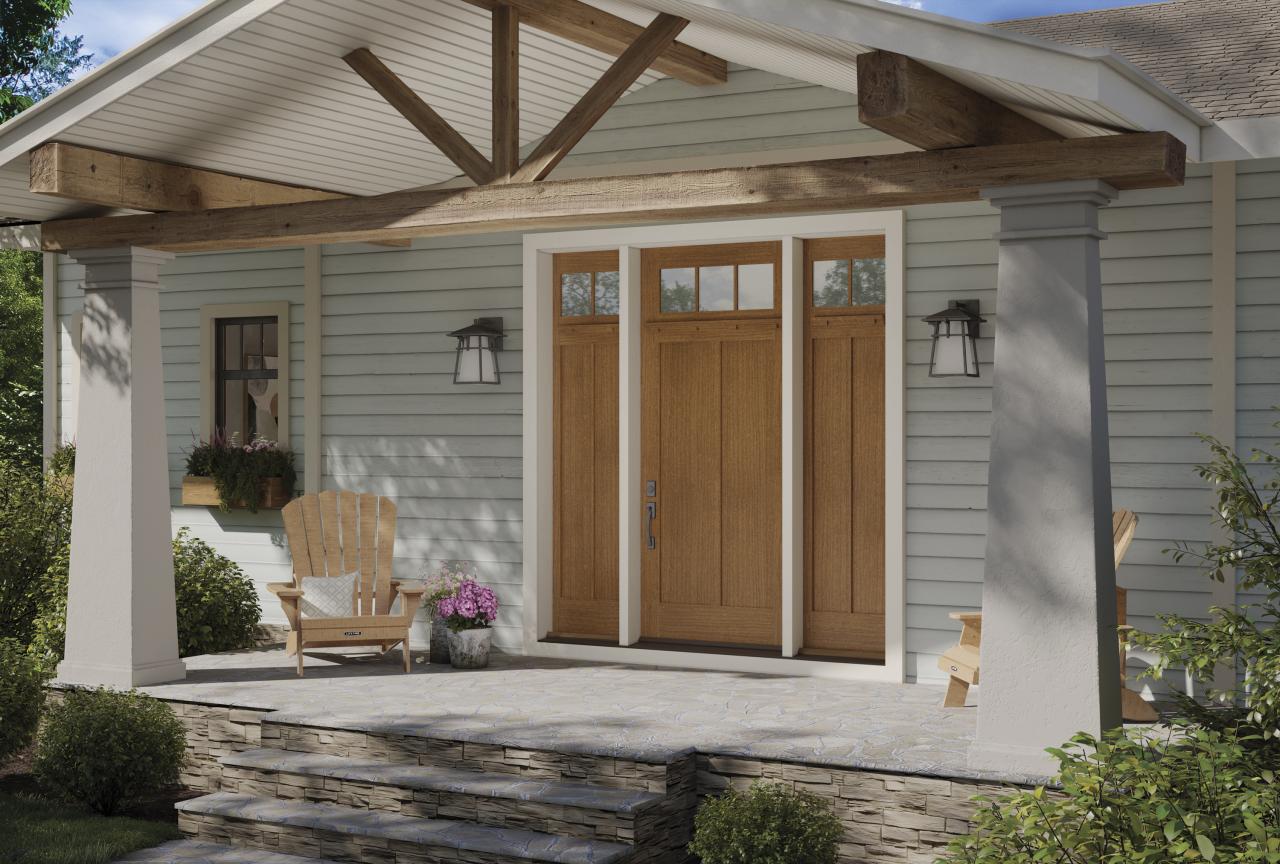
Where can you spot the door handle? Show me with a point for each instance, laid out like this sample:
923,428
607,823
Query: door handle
651,510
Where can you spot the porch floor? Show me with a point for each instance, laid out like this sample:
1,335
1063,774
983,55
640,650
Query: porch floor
641,712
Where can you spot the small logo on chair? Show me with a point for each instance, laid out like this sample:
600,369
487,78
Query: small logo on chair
353,633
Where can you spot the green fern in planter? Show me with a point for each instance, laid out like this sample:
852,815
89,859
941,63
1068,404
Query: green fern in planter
239,471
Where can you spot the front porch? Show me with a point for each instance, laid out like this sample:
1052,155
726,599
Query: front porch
358,733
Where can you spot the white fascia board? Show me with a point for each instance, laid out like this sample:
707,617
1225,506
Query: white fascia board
124,73
1242,138
1090,74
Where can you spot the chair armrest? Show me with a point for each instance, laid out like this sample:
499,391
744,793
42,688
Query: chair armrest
407,587
284,589
966,617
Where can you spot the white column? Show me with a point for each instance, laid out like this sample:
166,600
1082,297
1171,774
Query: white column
121,618
1050,665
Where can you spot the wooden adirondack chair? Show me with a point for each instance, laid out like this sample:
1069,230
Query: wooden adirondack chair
962,661
336,533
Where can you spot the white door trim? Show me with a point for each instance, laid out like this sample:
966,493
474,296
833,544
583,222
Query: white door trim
538,444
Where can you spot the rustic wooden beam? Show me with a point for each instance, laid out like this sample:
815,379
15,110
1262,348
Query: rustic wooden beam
506,91
438,131
1134,161
610,34
131,183
906,99
617,79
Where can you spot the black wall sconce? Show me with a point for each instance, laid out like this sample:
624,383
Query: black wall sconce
955,340
478,347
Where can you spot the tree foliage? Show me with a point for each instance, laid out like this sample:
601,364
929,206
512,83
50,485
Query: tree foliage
35,60
1247,515
21,356
35,526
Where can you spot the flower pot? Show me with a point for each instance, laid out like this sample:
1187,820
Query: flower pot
203,492
439,641
469,649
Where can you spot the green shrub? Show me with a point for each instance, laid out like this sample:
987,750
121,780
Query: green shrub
63,461
106,749
1201,795
35,525
1245,638
218,608
770,824
21,696
49,631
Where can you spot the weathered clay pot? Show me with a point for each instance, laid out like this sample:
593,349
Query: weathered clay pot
469,649
439,641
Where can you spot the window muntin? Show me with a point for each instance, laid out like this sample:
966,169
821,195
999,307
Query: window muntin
589,293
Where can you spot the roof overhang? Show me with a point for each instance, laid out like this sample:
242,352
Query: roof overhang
1075,91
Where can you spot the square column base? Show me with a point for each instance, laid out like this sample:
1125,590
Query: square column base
1033,764
121,677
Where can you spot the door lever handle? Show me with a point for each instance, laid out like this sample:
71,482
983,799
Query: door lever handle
651,510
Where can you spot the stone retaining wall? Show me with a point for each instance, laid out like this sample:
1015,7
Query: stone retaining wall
215,731
887,817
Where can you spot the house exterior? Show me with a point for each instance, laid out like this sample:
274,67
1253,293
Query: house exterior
819,501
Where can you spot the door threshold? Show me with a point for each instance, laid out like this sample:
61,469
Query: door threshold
712,648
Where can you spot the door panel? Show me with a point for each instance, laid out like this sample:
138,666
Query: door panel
844,448
711,442
585,548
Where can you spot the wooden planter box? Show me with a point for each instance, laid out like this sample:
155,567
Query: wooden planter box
201,492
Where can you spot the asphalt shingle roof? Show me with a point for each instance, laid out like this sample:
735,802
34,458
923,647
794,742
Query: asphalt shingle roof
1221,56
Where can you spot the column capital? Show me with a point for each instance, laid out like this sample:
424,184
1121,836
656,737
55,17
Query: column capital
1097,192
120,254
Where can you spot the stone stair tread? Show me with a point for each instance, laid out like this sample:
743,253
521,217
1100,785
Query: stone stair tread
200,852
457,780
446,833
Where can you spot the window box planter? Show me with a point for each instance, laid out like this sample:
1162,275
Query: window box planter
201,492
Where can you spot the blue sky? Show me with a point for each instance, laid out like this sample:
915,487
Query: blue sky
111,26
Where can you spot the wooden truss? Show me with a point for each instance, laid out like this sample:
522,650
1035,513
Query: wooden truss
970,142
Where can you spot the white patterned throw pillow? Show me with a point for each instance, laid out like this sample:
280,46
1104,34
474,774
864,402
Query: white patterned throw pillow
328,596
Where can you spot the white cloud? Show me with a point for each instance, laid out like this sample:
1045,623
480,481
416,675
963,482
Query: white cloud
112,26
910,4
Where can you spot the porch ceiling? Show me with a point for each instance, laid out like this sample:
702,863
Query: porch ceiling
259,88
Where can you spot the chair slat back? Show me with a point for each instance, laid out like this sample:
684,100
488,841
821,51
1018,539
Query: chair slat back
333,533
1124,524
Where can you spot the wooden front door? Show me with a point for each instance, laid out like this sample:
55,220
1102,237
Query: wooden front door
844,447
585,547
711,452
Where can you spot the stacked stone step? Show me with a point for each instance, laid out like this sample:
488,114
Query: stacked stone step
395,798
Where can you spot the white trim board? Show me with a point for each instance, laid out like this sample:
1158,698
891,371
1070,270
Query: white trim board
49,333
538,444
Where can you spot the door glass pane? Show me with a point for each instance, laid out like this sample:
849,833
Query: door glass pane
270,346
677,289
830,283
575,294
231,347
607,293
715,289
755,286
868,282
